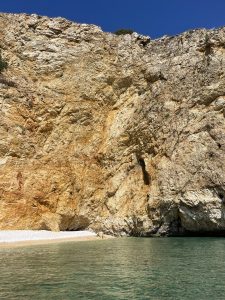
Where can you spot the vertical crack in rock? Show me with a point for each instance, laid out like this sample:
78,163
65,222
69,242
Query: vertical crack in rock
146,176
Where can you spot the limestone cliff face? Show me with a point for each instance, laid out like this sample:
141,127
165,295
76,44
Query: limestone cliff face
116,133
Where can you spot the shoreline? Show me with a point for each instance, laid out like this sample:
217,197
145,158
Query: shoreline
22,238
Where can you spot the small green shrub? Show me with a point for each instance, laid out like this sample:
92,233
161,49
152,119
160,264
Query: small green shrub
123,31
3,64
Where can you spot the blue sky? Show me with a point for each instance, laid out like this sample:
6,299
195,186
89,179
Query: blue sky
151,17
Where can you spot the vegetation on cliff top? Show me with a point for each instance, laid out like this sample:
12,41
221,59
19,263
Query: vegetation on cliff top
123,31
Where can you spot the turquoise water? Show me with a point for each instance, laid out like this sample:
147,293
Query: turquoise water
126,268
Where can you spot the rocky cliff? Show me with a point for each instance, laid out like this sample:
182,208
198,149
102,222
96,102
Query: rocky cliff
121,134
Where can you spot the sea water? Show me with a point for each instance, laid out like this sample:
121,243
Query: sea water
123,268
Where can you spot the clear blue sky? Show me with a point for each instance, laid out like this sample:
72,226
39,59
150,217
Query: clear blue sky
150,17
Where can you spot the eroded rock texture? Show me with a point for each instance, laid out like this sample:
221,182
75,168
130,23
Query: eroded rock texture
116,133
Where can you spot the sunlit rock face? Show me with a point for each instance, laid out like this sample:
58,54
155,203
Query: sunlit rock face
120,134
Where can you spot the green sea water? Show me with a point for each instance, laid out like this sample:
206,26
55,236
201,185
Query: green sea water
124,268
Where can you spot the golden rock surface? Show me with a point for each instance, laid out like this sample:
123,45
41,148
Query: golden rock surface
121,134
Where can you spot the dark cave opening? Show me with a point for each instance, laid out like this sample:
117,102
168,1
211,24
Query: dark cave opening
146,176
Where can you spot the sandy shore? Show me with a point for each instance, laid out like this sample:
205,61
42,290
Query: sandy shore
15,238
